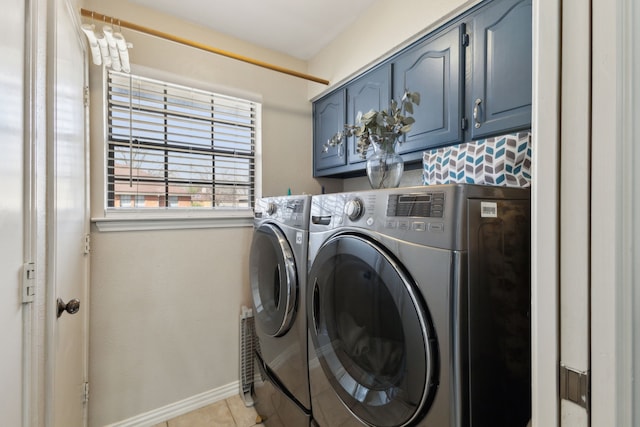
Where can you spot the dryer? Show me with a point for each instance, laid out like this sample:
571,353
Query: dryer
419,307
278,271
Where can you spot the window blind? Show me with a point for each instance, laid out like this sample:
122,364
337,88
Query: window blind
175,147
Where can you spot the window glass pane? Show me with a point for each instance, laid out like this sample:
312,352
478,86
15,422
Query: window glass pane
125,200
227,196
172,147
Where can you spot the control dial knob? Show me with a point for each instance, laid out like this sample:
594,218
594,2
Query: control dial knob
354,209
272,208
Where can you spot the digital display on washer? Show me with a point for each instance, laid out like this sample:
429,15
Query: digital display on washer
295,206
424,205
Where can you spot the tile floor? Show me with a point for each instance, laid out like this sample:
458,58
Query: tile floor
227,413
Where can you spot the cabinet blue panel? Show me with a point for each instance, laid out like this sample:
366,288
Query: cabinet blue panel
493,66
502,60
328,118
371,91
434,69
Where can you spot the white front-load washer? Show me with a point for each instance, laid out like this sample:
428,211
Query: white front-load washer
278,271
418,303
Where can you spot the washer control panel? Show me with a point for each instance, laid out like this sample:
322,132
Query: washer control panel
415,214
390,209
289,210
424,205
435,215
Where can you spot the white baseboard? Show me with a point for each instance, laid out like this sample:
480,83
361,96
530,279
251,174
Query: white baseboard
181,407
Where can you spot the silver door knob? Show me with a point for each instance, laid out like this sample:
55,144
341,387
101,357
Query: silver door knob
72,307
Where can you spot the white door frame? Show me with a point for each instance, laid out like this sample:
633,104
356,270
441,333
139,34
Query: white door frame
35,146
13,226
545,208
574,202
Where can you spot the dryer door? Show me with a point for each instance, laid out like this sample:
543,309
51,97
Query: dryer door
274,283
371,332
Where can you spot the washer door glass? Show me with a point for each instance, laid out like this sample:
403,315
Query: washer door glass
371,332
274,284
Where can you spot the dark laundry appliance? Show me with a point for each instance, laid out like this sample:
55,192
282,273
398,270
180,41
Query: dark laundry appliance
419,307
278,271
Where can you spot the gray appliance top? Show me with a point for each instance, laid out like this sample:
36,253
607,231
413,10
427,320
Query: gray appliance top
292,211
427,215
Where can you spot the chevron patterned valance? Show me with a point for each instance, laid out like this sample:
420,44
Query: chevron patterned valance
504,161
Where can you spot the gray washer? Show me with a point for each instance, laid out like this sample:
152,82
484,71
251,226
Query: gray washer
278,271
418,303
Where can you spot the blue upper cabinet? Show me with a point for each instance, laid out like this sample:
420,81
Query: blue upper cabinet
328,118
474,79
370,91
501,73
434,69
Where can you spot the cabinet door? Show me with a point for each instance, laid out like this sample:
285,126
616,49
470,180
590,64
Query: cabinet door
501,89
433,69
371,91
328,118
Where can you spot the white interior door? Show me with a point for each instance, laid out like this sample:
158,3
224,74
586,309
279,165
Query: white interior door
11,209
68,219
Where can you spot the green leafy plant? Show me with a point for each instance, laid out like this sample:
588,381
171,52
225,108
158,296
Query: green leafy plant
383,127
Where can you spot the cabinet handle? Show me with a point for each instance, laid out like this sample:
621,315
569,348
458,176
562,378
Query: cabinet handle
476,108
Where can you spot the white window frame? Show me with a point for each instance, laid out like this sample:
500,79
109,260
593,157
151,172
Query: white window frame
180,218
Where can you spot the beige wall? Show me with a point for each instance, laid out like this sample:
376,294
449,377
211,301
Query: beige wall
164,317
165,304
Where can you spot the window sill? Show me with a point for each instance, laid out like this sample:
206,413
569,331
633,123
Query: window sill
130,221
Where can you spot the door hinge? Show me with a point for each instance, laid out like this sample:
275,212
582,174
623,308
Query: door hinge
465,39
85,393
28,282
86,96
87,243
575,386
463,123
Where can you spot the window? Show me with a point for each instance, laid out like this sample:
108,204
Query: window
125,200
141,200
174,147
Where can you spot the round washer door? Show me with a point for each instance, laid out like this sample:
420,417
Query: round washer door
371,332
274,283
